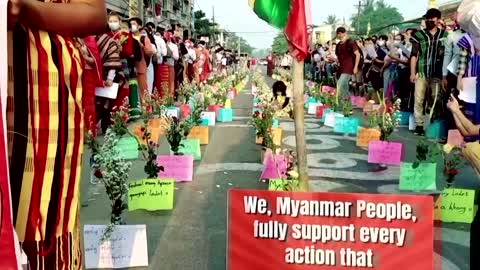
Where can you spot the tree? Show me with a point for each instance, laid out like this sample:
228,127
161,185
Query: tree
379,14
280,44
203,26
332,20
233,40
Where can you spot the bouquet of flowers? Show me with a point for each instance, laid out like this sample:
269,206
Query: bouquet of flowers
386,118
426,152
263,123
120,118
187,91
453,161
347,107
176,132
113,171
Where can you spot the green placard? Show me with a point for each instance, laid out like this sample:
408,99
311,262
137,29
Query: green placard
422,178
283,185
191,147
456,205
127,148
151,194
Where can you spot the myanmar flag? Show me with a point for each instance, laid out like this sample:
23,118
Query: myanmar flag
288,15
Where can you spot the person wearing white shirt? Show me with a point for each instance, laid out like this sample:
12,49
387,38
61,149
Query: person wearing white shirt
161,67
172,56
191,58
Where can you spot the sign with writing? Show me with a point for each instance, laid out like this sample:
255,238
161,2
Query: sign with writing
214,108
367,135
422,178
455,137
179,168
312,107
275,166
330,119
201,133
456,205
325,112
127,247
283,185
173,113
334,231
127,148
368,107
191,147
151,194
210,116
321,111
436,130
361,101
346,125
225,115
388,153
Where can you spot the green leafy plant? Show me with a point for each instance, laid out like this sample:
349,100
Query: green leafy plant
347,107
177,131
263,123
426,152
120,117
453,161
113,171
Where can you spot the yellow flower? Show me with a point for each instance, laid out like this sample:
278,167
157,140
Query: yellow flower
447,148
293,174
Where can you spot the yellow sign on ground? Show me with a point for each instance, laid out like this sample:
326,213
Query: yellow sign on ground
151,194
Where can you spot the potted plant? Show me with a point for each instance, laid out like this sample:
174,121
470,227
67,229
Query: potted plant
453,161
128,144
287,181
263,122
112,170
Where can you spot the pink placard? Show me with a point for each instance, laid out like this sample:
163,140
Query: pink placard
305,98
179,168
361,102
275,166
388,153
328,89
354,100
455,137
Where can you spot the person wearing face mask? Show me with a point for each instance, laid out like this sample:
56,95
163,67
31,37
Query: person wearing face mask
192,57
426,66
375,73
172,57
161,73
396,63
146,52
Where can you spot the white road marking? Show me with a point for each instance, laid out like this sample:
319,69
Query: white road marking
327,142
223,125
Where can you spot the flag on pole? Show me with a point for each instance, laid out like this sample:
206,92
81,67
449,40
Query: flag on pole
288,15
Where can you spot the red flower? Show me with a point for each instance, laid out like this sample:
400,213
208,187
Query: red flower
175,119
257,113
98,174
149,109
453,171
142,129
124,117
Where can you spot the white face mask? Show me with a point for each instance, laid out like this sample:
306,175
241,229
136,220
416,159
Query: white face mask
114,26
381,43
134,28
397,43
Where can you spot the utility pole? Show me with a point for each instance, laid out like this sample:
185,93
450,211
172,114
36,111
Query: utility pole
359,8
214,38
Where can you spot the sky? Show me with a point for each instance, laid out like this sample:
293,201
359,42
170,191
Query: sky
237,16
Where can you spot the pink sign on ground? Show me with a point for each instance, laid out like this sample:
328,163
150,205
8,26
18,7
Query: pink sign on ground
388,153
275,166
455,137
354,100
179,168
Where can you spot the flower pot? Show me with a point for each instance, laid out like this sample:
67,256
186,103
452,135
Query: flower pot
201,133
225,115
330,118
127,148
151,194
179,168
367,135
312,107
276,134
191,147
324,116
275,166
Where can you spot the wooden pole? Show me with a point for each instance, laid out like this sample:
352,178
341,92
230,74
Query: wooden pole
299,115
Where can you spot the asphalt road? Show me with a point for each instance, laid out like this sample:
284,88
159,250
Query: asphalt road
193,235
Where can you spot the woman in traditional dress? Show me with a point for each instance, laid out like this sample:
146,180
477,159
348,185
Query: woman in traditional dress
45,126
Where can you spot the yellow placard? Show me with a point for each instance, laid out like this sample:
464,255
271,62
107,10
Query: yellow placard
277,137
155,134
151,194
366,135
228,104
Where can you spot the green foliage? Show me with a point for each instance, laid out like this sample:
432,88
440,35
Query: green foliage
426,152
280,44
233,40
332,20
203,25
378,14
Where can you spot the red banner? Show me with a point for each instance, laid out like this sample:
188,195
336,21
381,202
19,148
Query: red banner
7,244
296,231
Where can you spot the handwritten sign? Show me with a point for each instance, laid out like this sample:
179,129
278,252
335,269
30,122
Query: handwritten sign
456,205
422,178
389,153
179,168
361,101
225,115
346,125
367,135
155,134
436,130
209,116
455,137
283,185
201,133
324,116
127,148
404,118
127,247
312,108
185,110
330,119
275,167
191,147
173,112
151,194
